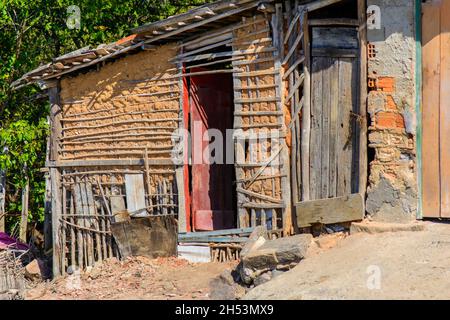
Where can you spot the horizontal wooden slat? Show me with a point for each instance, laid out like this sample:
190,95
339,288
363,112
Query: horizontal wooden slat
107,162
258,195
260,60
333,22
263,205
258,113
257,73
329,211
256,87
335,53
257,100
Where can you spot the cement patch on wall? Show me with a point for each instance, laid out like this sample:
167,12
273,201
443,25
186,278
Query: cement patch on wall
392,192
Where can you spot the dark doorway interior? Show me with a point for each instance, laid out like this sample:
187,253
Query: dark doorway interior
213,199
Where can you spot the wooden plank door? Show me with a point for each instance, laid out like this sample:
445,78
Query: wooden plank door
436,109
334,131
333,128
213,203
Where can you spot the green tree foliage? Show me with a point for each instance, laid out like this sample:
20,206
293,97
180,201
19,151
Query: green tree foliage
32,33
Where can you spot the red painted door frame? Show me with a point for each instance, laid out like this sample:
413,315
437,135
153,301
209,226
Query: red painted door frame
187,191
211,196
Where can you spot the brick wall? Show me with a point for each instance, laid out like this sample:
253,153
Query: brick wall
392,190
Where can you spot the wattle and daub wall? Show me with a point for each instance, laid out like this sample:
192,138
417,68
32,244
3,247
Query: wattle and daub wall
127,107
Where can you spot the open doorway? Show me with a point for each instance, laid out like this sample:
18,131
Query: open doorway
213,198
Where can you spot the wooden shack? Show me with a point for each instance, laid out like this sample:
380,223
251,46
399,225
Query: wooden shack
257,67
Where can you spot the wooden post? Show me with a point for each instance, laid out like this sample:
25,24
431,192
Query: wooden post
55,174
277,27
48,201
243,220
55,177
24,215
2,200
181,171
306,113
147,179
362,34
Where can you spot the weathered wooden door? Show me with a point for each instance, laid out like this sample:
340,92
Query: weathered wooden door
436,109
334,130
211,98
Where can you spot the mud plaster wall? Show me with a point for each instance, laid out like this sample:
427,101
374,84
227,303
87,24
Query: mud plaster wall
245,38
121,109
392,190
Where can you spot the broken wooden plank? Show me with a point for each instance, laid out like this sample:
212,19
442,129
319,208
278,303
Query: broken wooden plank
329,211
135,194
153,237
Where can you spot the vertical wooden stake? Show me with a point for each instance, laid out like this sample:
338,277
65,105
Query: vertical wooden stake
55,177
147,179
72,230
55,174
277,27
24,215
2,200
239,143
362,34
63,230
306,112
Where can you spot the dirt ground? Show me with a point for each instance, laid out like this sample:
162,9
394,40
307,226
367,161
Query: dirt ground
394,265
397,265
135,279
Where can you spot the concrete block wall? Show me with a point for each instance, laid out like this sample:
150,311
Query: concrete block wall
392,190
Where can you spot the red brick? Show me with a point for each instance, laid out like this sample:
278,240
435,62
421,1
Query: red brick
389,120
386,84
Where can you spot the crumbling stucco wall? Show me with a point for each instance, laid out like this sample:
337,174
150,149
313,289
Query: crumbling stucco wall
392,191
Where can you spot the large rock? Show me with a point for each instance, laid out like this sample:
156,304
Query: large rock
255,240
275,254
226,287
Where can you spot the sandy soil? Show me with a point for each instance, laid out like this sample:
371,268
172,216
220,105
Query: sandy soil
400,265
135,278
